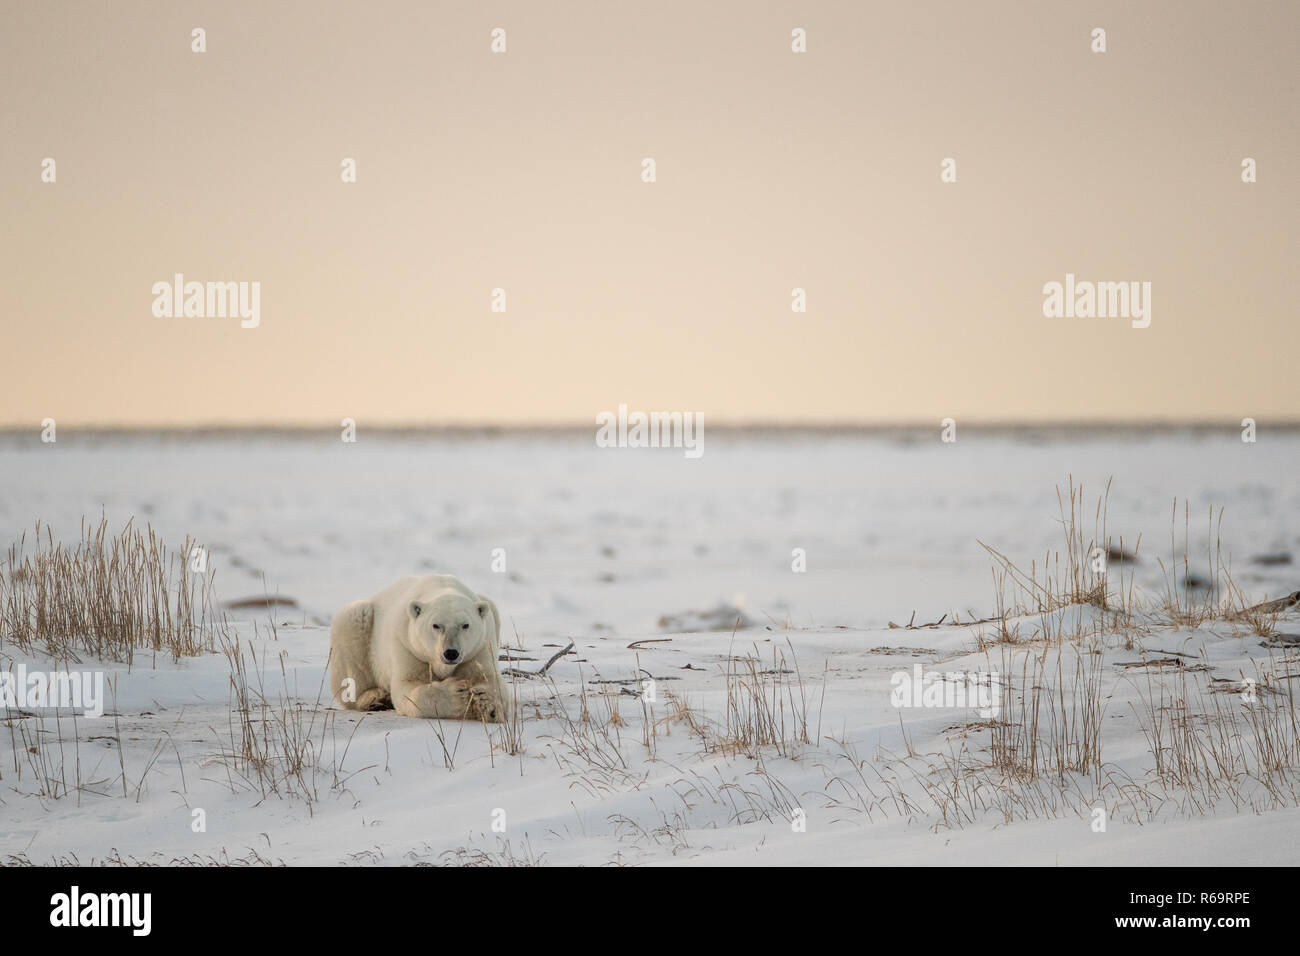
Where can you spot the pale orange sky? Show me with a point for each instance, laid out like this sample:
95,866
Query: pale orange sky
522,171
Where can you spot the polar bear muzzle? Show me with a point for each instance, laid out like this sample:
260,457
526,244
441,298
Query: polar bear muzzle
447,632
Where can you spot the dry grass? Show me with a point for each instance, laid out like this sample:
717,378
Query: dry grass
589,747
1184,605
1073,576
275,743
1242,746
1050,724
46,751
507,855
765,708
508,736
1233,741
115,859
107,595
1060,589
50,760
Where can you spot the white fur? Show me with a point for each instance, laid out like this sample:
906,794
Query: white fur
392,649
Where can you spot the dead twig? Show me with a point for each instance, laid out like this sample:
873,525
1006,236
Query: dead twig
515,672
648,640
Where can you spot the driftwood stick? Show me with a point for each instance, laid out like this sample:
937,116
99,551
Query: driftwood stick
1270,607
547,666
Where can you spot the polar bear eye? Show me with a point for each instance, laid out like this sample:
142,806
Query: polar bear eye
437,627
464,627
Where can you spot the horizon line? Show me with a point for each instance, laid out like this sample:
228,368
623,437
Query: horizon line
812,426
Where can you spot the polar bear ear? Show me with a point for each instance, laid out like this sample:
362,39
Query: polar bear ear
415,609
483,609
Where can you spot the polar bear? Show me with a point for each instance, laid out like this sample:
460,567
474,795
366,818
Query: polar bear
426,646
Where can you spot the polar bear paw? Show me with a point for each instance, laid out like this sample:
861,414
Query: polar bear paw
448,699
486,704
375,699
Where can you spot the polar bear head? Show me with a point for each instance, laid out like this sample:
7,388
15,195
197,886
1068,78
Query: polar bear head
447,631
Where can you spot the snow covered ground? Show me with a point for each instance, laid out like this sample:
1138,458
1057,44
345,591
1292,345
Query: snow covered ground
776,743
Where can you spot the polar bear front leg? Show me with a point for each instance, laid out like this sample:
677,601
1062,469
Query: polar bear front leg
487,690
491,700
448,699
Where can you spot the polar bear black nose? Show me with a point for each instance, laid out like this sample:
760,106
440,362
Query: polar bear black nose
451,655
